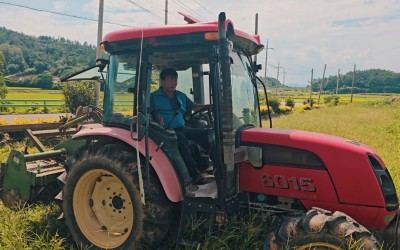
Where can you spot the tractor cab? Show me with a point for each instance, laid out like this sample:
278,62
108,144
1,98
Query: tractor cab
131,72
214,66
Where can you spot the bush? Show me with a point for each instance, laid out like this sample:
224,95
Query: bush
78,94
332,100
285,109
290,102
274,105
264,111
307,101
44,80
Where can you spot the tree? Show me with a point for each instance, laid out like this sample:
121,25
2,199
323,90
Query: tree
371,81
28,56
78,94
44,81
3,88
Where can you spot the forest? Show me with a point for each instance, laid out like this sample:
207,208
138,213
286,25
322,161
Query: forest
30,61
365,81
39,61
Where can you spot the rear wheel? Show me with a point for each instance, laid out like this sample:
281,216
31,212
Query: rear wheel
102,207
320,229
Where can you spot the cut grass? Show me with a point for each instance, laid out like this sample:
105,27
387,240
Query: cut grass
32,227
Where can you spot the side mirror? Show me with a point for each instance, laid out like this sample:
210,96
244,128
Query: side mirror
138,125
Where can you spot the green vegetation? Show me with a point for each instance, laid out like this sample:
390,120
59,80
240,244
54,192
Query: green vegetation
33,93
365,81
302,95
372,81
33,227
376,124
78,94
3,88
40,61
32,100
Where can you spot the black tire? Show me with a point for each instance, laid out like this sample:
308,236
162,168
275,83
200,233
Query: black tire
320,229
101,202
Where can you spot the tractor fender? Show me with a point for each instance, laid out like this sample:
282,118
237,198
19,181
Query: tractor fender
159,161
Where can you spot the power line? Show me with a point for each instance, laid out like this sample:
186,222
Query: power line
154,8
143,8
182,5
213,15
61,14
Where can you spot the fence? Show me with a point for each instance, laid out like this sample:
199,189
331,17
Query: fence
31,103
47,103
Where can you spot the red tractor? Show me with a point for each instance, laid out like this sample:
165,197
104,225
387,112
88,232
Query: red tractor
123,183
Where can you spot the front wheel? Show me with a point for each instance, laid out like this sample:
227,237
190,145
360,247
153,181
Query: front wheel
320,229
101,202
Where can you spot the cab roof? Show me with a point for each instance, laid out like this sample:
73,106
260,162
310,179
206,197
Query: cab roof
249,42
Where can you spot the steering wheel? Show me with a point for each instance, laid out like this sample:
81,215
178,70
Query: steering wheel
206,110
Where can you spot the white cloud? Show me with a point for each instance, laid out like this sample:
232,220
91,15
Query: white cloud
36,24
59,6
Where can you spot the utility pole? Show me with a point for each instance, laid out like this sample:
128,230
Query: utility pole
321,84
277,82
337,81
311,83
283,83
256,32
166,12
98,50
266,63
352,84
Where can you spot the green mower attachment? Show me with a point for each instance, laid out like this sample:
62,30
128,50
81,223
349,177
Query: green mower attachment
31,177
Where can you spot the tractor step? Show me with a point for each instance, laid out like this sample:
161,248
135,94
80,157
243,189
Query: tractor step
194,209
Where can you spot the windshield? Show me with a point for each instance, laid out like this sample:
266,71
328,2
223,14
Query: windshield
119,91
244,95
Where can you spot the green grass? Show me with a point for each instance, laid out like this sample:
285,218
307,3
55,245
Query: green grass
32,227
33,93
37,96
376,124
300,95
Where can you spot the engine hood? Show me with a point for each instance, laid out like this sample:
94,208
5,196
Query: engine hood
346,161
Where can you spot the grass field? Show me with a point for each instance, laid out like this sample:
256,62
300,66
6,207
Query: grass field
300,95
376,124
33,93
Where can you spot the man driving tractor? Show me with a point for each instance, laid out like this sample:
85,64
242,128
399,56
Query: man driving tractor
168,107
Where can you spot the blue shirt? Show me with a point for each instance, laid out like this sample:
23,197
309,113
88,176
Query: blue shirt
170,112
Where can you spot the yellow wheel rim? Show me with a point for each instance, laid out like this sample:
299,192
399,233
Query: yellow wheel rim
319,246
103,208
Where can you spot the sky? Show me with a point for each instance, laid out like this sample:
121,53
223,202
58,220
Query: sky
302,35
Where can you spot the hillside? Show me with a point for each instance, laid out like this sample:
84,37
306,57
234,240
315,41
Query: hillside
38,61
28,58
365,81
